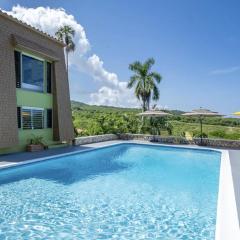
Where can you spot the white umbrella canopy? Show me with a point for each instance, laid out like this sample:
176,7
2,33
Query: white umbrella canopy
201,112
153,113
236,114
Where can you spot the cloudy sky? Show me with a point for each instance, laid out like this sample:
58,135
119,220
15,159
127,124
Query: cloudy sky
196,45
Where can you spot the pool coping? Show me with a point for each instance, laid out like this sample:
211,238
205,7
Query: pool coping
227,224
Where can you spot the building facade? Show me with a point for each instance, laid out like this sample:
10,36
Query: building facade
34,90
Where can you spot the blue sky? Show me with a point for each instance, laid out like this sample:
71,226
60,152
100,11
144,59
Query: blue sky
196,45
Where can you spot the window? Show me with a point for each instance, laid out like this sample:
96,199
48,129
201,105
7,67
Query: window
49,77
49,118
17,57
32,118
19,119
32,73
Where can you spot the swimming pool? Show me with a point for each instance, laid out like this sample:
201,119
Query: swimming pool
126,191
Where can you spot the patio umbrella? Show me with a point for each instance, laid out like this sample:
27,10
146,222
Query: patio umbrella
153,113
200,113
237,114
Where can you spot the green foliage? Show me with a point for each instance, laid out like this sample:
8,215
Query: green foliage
157,124
225,135
230,122
213,131
95,120
145,82
36,140
218,134
66,34
198,134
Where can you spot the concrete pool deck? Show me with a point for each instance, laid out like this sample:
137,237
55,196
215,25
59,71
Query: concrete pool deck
9,160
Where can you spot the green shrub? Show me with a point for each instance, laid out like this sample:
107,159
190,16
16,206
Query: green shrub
224,135
232,136
198,134
218,134
36,140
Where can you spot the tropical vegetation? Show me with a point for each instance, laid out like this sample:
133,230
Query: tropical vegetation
65,34
145,82
94,120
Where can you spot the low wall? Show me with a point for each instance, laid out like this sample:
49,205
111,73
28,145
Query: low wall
154,138
219,143
95,139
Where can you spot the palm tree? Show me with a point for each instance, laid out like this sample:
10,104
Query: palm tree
66,34
145,82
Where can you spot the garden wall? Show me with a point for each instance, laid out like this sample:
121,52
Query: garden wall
219,143
95,139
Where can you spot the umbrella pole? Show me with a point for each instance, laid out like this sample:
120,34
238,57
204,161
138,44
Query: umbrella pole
201,130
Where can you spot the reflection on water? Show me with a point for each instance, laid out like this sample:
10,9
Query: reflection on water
70,169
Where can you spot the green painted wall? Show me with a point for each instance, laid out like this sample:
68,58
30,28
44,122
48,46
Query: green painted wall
26,98
26,135
34,99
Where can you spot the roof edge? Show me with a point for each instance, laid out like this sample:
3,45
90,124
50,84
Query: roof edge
44,34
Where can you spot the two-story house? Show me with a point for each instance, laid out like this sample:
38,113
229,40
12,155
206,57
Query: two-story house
34,90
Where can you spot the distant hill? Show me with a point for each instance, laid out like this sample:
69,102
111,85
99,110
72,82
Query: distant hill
94,120
83,106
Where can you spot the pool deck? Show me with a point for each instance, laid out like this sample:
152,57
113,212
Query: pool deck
235,167
20,157
16,158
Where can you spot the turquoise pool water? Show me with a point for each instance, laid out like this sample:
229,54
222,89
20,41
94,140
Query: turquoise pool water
126,191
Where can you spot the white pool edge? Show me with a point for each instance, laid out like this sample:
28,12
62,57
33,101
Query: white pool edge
227,223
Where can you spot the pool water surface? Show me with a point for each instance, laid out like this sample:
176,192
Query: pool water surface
125,191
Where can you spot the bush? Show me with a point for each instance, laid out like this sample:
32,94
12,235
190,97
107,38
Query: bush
224,135
218,134
232,136
198,134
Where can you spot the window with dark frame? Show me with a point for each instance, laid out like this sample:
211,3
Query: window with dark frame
32,118
49,118
32,73
19,118
49,77
17,57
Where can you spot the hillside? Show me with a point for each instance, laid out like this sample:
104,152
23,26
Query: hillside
83,106
94,120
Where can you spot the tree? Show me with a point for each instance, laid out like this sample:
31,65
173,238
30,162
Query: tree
145,82
66,34
158,124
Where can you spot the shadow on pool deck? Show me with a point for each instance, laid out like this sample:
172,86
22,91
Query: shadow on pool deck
25,156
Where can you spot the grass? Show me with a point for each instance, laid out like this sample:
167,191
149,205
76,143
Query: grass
93,120
213,131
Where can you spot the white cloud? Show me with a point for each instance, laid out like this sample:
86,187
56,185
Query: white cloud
95,65
50,20
114,97
113,91
225,70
